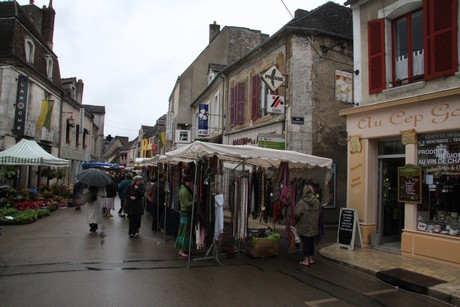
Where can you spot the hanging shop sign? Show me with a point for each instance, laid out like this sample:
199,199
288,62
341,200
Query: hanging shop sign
203,116
21,105
410,184
82,119
273,78
275,104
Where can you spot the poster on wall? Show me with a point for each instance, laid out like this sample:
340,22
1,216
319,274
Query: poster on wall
343,86
410,184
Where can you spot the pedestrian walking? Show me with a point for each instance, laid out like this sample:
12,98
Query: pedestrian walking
94,212
134,206
306,214
109,200
122,189
186,204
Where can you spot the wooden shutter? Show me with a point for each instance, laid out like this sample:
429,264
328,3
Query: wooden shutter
255,97
440,31
376,53
240,102
233,105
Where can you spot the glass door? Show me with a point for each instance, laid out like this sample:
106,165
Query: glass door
391,212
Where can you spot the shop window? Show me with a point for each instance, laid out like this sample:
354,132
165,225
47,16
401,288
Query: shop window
391,147
423,41
439,156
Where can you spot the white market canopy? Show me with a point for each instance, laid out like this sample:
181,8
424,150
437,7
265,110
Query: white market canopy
257,156
27,152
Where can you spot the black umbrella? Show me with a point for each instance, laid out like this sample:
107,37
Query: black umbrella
94,177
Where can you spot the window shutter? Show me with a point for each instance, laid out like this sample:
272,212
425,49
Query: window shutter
241,101
440,28
233,106
376,42
255,97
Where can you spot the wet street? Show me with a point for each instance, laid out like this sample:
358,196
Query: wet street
56,261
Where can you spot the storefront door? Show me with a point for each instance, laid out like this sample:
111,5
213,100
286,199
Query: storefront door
391,212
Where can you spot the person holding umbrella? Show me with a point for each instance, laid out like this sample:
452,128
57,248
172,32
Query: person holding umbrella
97,181
134,207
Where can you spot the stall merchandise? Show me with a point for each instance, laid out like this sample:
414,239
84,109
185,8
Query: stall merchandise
244,155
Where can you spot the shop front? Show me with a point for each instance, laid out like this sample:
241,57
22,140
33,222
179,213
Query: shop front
421,134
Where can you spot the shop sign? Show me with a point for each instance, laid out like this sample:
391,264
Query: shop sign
439,152
21,105
273,78
410,184
272,141
348,226
276,104
203,120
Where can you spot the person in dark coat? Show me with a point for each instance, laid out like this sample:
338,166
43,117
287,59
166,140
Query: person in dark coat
157,198
306,214
134,206
122,189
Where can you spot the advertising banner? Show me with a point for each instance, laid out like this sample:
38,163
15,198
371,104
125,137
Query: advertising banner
203,120
21,105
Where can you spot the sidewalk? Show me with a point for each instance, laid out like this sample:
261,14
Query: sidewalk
438,281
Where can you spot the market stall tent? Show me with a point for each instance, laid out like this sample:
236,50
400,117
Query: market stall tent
257,156
247,155
27,152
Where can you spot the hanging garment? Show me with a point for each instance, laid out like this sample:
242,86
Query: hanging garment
243,224
219,214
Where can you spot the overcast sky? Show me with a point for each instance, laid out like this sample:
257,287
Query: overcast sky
130,53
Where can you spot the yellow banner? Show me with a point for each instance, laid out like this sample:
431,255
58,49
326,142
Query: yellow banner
163,138
44,120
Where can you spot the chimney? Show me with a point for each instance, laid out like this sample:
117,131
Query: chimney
214,30
299,13
80,86
48,23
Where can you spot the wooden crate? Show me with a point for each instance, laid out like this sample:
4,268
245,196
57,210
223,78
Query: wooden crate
264,247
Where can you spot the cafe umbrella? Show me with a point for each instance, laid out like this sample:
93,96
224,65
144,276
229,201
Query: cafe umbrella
94,177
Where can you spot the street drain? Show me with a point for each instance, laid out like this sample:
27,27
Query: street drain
408,280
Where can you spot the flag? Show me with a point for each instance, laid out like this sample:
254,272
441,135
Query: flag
44,120
163,138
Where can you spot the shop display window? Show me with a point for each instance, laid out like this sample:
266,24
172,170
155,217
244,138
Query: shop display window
439,157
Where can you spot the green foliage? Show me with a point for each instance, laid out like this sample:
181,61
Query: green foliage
7,171
42,212
11,216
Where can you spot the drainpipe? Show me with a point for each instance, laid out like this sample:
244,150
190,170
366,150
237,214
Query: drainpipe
223,103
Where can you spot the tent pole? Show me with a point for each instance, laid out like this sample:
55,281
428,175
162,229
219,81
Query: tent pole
193,213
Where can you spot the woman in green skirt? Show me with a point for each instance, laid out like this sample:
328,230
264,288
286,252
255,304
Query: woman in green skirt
186,204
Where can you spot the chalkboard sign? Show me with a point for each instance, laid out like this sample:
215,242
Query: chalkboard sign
410,184
348,225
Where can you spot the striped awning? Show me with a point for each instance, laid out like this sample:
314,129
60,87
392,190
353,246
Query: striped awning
27,152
